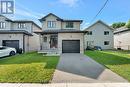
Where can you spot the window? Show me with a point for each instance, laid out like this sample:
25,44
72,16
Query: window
89,33
51,24
2,25
45,39
106,42
69,25
106,32
21,25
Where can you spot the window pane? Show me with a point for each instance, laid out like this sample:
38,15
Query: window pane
69,25
89,33
21,25
106,32
106,42
51,24
2,25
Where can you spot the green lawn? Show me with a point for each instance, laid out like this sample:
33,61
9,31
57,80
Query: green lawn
117,61
27,68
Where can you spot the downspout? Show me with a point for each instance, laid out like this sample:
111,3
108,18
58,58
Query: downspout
28,44
84,39
23,43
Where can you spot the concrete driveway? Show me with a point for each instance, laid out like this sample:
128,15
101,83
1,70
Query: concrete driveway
78,68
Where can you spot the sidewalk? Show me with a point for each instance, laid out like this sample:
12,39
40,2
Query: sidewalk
67,85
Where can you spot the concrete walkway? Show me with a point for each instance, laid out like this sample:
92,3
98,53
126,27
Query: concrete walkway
77,68
66,85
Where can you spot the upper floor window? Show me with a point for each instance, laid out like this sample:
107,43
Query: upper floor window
106,32
89,33
69,24
21,25
51,24
2,25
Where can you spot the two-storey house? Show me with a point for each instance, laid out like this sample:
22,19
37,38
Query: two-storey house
19,34
61,35
121,38
99,34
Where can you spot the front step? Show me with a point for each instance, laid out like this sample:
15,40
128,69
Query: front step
49,53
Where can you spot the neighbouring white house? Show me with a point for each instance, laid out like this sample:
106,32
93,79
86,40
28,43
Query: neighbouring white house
19,34
60,35
122,38
99,34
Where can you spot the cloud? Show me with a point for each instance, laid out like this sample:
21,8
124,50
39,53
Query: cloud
70,3
24,11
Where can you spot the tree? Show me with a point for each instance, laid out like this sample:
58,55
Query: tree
118,24
128,24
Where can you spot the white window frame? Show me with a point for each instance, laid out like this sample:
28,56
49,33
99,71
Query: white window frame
68,25
89,33
106,33
107,44
2,25
51,24
21,25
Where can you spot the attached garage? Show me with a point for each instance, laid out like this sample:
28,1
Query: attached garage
70,46
11,43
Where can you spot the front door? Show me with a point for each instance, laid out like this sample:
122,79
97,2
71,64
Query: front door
53,41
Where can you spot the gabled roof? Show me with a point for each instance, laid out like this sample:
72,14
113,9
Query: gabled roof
72,20
24,21
120,30
99,21
42,19
27,21
60,31
15,31
60,19
7,19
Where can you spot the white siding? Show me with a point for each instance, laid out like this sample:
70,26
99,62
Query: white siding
122,40
98,36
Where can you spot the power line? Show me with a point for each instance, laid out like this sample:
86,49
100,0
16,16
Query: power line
99,11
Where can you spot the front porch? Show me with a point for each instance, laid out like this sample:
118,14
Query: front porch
49,44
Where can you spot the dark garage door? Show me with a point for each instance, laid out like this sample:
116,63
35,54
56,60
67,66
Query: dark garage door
71,46
11,43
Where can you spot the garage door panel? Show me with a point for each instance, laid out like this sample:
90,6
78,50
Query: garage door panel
11,43
71,46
